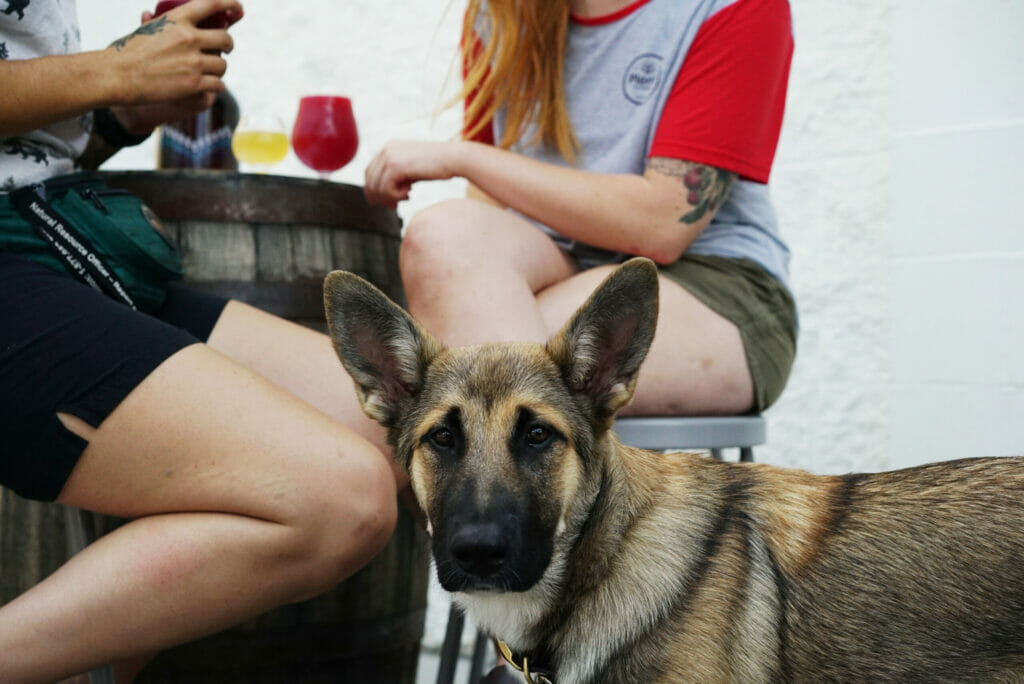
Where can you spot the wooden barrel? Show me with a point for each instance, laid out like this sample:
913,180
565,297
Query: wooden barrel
269,240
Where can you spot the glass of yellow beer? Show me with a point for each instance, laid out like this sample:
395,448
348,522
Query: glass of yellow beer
259,142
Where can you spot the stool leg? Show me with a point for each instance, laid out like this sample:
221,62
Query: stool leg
76,530
476,668
450,647
747,454
103,675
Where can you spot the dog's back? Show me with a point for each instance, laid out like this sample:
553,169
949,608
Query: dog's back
912,575
919,576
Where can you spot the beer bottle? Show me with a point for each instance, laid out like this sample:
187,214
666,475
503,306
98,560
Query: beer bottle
202,141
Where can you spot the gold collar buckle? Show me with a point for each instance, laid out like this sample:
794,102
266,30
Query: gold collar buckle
539,677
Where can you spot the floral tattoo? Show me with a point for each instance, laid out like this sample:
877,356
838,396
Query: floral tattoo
147,29
706,186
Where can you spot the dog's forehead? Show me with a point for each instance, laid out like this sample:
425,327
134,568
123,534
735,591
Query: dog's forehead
495,373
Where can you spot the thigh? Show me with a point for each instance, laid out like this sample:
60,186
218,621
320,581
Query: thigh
696,364
471,272
64,348
460,236
299,359
118,412
204,433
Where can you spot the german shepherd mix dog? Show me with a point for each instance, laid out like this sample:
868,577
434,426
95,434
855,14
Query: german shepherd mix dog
597,562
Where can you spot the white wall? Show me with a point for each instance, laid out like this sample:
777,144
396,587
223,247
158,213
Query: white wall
830,184
957,264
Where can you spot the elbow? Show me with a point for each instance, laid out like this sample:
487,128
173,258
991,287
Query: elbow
663,247
669,237
665,255
662,236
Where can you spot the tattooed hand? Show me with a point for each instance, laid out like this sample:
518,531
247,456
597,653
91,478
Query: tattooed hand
149,29
169,59
705,186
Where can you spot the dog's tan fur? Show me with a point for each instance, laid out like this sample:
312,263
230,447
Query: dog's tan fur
605,563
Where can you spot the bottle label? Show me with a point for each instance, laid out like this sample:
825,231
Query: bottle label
195,152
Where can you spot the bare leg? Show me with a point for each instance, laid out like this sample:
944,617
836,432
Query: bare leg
470,272
475,273
245,497
302,361
696,365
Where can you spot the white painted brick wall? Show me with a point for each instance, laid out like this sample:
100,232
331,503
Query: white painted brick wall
895,183
957,263
830,184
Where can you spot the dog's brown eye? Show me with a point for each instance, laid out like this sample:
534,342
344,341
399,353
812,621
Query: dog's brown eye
443,438
537,435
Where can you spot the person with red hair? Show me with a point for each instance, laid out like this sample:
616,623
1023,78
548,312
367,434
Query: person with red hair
601,129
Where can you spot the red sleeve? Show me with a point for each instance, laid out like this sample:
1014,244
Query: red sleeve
485,134
725,108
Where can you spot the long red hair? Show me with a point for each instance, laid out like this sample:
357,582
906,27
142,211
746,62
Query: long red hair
518,65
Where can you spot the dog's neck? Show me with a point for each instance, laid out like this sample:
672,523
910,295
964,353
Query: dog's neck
584,631
552,624
594,547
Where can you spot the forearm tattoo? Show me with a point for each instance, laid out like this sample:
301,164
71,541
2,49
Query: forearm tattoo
706,186
147,29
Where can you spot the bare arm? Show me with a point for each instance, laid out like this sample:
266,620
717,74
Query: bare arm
654,215
473,192
165,67
41,91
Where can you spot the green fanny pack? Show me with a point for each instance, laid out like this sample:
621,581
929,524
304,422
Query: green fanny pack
107,238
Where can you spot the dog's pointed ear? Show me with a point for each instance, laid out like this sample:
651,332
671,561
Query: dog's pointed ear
601,348
384,350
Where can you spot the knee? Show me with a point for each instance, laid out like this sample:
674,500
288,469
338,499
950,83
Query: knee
436,240
370,507
346,521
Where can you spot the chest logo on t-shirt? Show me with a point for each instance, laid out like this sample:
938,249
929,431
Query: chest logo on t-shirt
642,78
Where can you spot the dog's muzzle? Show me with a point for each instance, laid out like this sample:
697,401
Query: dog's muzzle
479,550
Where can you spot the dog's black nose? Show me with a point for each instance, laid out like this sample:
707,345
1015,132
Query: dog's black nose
479,549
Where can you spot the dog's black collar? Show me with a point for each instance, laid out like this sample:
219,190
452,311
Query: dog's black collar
538,675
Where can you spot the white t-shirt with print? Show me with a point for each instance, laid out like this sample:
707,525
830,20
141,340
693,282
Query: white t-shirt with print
30,29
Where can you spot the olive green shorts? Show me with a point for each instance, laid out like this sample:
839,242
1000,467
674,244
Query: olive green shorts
761,308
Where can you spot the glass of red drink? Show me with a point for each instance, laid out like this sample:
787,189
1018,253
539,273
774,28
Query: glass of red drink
324,136
220,20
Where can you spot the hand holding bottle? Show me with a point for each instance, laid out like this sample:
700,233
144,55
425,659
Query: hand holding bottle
218,20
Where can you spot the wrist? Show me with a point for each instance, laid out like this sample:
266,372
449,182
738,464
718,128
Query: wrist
109,126
464,156
110,77
129,120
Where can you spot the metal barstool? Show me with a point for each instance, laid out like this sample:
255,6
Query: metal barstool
661,433
716,433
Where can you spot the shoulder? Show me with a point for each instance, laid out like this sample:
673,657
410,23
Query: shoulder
38,28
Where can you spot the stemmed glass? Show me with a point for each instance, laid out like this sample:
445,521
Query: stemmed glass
324,136
260,140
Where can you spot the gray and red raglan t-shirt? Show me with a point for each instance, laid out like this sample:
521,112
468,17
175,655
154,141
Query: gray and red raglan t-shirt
698,80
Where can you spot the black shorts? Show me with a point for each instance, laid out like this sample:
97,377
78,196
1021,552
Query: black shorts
66,348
